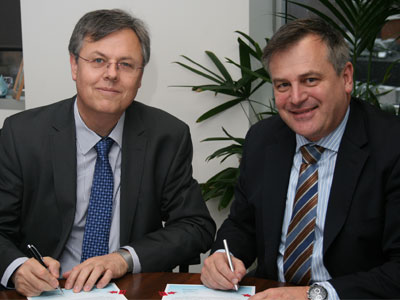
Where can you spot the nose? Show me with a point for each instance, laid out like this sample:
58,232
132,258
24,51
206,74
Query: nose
111,71
298,94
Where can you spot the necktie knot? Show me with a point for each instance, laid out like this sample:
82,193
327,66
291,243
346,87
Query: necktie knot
311,153
103,147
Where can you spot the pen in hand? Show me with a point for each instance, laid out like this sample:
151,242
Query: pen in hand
39,258
228,255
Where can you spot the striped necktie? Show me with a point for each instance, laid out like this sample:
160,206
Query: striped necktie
98,220
300,234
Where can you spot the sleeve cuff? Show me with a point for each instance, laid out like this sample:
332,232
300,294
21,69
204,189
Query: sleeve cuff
10,270
332,294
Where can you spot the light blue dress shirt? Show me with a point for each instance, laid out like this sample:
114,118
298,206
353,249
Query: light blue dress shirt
326,168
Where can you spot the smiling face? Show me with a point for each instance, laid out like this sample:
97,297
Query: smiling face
105,93
311,98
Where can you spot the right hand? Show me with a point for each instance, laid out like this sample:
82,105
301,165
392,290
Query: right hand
216,273
31,278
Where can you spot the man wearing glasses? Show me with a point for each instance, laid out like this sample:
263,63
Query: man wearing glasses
91,180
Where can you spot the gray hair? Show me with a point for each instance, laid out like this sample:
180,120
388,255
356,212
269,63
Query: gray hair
289,34
100,23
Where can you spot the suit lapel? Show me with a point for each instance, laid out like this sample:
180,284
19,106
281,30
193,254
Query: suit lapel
277,172
133,156
349,164
63,143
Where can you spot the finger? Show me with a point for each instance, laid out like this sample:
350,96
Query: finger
71,276
222,266
213,272
240,269
107,276
215,281
66,274
260,296
94,275
53,266
82,278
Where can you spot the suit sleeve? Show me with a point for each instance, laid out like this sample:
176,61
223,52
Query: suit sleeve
10,199
188,227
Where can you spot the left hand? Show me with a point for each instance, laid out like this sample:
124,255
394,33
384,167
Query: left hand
287,292
85,275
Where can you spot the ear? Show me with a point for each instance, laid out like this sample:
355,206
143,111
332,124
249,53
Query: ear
74,66
348,72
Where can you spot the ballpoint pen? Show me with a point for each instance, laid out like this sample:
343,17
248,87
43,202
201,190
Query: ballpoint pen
36,254
228,255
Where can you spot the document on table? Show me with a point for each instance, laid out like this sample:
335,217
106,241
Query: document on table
200,292
110,292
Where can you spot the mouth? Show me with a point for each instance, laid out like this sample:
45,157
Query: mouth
303,110
302,113
108,90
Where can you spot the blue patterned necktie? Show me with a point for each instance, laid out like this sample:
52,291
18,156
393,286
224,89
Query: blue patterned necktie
98,220
300,235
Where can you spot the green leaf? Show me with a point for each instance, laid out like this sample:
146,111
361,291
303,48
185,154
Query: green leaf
220,66
252,41
222,89
218,109
389,70
226,198
201,66
260,73
199,72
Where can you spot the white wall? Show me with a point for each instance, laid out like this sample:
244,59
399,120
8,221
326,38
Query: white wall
177,27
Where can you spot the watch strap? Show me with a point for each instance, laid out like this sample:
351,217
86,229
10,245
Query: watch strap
127,257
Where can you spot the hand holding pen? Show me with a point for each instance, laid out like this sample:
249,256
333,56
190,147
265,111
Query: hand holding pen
36,254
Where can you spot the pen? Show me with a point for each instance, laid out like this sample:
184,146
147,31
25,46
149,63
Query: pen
228,255
39,258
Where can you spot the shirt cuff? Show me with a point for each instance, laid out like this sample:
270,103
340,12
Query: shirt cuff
136,263
332,294
10,270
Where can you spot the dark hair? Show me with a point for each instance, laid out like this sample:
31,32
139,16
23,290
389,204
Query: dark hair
100,23
289,34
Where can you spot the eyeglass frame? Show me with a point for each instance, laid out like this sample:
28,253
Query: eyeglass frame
108,63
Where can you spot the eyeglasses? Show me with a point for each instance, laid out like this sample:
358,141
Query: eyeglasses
102,64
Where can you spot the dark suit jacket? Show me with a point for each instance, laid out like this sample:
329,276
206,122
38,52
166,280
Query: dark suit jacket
361,244
38,186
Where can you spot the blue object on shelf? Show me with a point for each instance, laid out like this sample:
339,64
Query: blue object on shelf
3,87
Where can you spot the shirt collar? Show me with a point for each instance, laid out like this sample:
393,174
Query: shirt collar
87,138
331,141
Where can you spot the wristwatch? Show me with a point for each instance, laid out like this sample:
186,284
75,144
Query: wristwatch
317,292
127,257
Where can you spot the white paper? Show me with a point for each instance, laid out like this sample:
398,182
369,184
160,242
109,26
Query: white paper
110,292
200,292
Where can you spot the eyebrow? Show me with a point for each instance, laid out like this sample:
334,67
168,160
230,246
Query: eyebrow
304,75
310,73
120,58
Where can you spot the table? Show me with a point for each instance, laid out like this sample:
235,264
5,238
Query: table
148,285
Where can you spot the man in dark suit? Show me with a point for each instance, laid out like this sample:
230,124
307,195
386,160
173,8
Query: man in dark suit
352,248
47,165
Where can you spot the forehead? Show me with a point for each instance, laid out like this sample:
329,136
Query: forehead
308,54
119,43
